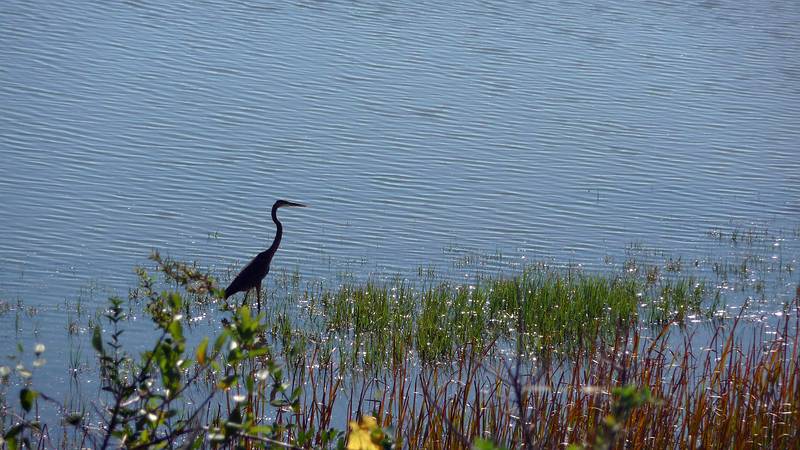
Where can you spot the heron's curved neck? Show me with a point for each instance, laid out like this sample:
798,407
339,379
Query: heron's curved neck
278,231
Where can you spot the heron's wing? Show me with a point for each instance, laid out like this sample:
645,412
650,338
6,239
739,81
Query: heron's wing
252,273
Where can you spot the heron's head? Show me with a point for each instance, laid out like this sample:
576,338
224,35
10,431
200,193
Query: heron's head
282,203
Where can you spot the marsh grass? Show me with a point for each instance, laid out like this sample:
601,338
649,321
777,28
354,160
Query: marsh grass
435,364
542,359
739,389
543,311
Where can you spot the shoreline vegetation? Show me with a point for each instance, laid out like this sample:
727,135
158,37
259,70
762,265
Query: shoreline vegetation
542,358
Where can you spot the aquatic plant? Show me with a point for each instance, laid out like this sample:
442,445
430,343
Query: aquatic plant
152,401
538,360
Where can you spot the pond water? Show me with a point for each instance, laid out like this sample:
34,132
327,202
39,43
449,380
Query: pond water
419,132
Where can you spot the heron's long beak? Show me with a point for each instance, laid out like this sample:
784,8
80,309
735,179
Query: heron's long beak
300,205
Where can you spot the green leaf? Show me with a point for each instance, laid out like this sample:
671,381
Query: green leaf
296,393
278,403
216,436
227,382
13,432
220,341
483,444
200,355
244,315
175,300
97,339
176,330
257,352
26,397
249,383
74,419
261,429
234,421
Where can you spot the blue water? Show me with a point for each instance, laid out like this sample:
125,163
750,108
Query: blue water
419,132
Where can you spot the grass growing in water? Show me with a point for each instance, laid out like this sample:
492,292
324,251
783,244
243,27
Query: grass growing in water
540,310
537,360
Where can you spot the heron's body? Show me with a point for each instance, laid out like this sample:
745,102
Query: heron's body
254,272
251,275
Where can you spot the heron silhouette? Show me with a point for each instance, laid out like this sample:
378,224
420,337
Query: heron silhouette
254,272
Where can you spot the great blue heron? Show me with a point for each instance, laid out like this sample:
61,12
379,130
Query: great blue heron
255,271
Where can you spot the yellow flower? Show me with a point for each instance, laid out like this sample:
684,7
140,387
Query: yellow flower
364,434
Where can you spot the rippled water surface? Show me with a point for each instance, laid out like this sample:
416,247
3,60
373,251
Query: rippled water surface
419,132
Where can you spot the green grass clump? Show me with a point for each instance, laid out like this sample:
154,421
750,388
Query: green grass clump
562,312
675,300
549,311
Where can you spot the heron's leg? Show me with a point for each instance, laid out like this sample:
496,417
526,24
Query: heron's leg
258,295
246,293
